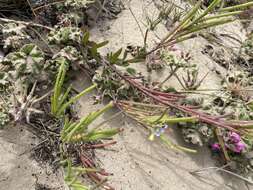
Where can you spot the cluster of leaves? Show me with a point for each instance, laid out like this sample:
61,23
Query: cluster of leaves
22,69
72,177
58,100
247,46
78,4
111,85
74,132
198,19
4,119
14,36
65,36
26,64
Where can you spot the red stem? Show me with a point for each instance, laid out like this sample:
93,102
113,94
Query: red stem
201,116
93,175
93,146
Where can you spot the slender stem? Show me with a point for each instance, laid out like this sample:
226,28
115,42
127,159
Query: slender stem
74,99
169,76
29,3
224,170
26,23
241,6
221,142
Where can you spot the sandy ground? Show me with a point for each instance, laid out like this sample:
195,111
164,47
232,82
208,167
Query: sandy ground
17,169
136,163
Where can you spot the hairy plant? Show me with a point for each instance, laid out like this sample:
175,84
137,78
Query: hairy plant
25,65
4,82
78,4
4,119
14,36
24,103
65,36
109,84
236,83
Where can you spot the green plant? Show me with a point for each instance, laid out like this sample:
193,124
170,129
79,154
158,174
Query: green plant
198,19
72,176
157,120
14,35
4,119
25,65
78,4
59,101
3,80
65,35
175,63
191,81
79,132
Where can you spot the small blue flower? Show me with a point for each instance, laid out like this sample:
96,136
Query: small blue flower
159,130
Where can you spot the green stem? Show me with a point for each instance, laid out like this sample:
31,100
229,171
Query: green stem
174,146
179,120
236,7
74,99
223,15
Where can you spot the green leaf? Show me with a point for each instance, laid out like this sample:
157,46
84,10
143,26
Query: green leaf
131,71
114,57
86,38
102,44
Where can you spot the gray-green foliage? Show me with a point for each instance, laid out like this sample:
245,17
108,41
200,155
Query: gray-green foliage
247,46
25,64
4,119
65,35
110,84
14,35
78,4
197,133
72,18
71,55
3,80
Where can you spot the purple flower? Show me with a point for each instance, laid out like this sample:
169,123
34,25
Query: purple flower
159,131
239,147
215,147
234,137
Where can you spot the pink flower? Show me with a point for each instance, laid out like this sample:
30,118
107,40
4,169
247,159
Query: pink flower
215,147
234,137
239,147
